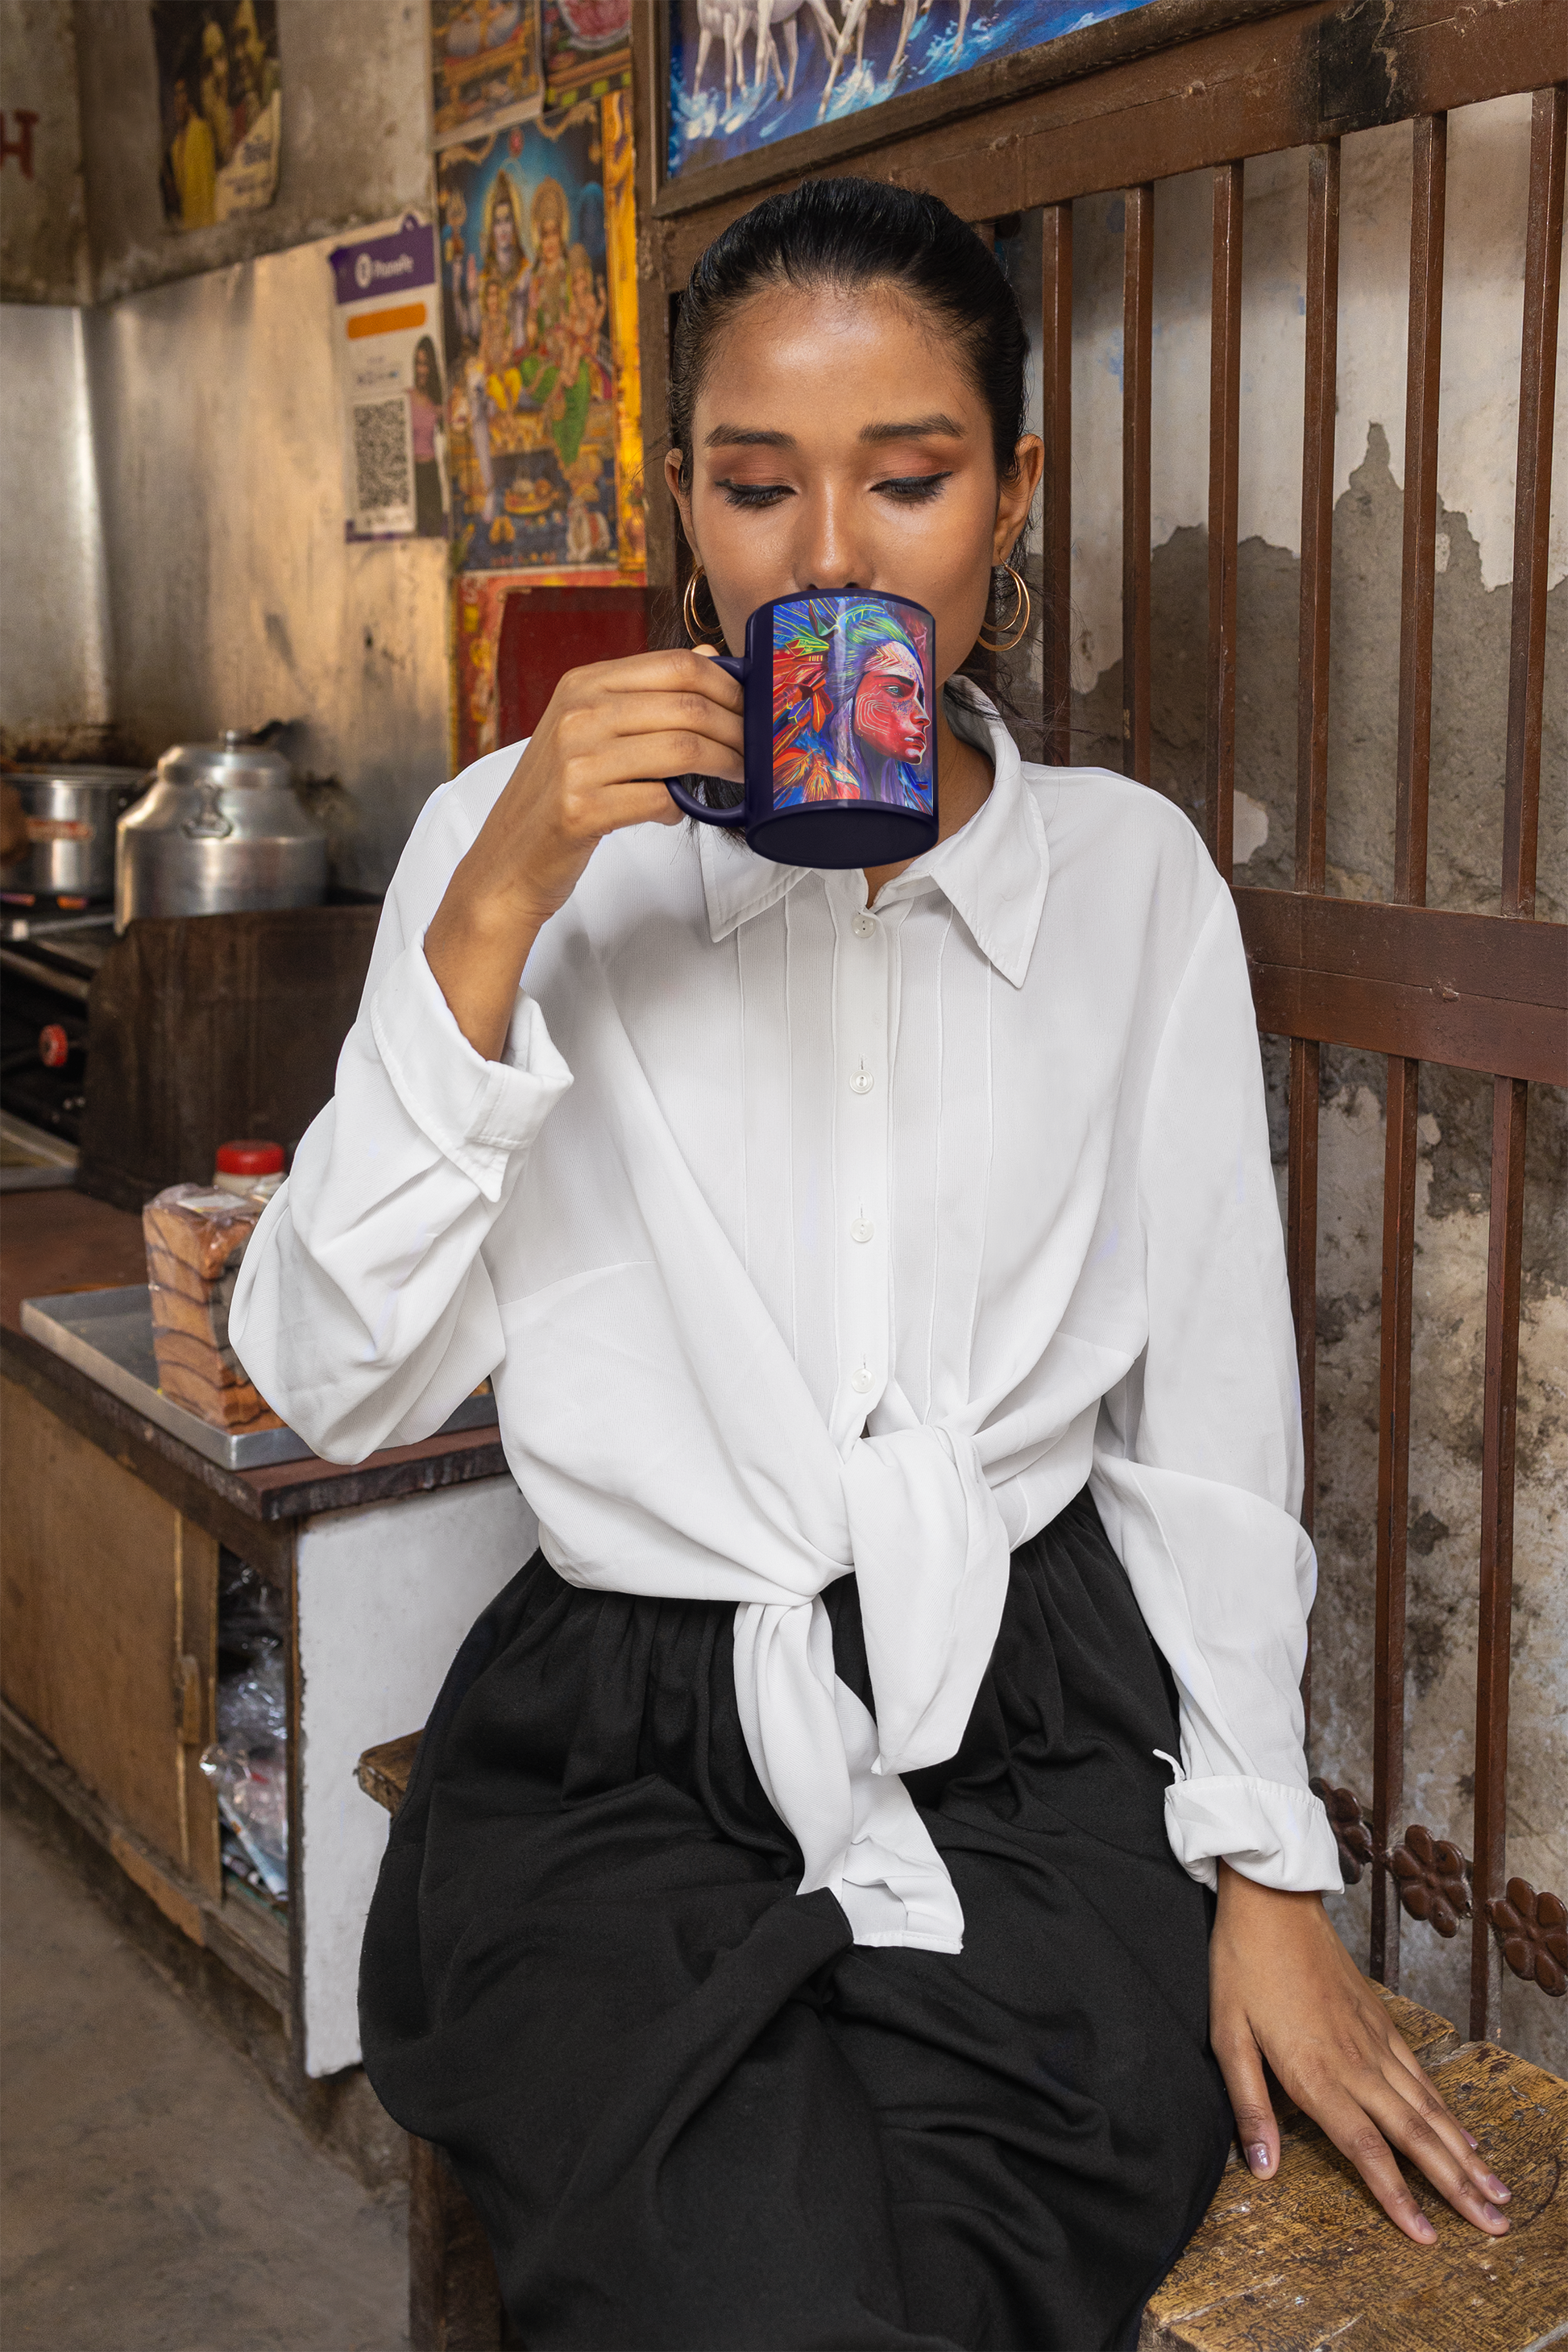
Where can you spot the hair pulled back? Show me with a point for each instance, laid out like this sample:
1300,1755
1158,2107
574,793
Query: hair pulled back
841,234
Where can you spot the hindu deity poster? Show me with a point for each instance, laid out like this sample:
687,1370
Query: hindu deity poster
745,72
484,65
220,101
540,302
587,49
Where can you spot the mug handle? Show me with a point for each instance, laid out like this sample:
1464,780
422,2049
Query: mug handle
738,668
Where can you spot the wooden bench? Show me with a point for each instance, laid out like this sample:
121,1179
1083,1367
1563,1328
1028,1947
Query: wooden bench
1305,2261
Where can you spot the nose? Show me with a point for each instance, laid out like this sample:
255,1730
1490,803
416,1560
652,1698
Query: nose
829,560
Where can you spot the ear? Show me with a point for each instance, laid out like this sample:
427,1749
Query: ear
1016,496
679,493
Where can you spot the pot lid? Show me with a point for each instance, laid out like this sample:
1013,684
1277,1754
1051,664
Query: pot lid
86,778
236,761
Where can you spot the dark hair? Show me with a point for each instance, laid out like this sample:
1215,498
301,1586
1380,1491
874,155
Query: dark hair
845,233
433,390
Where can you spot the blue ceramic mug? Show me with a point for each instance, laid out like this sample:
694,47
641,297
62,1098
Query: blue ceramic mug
839,727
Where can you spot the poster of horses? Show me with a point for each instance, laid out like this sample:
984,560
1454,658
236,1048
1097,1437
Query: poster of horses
744,73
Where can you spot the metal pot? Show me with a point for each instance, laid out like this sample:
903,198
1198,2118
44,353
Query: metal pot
70,814
221,833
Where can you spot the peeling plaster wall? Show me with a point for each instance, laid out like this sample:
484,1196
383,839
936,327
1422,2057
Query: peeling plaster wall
43,217
235,596
1488,150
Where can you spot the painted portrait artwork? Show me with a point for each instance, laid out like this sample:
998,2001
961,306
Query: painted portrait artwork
852,716
533,335
745,72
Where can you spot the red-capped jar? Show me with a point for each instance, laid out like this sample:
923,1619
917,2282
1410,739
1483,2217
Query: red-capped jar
249,1167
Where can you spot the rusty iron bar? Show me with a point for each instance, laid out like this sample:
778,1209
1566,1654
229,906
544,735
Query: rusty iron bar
1137,359
1393,1503
1224,427
1317,511
1312,775
1429,140
1056,532
1521,795
1417,596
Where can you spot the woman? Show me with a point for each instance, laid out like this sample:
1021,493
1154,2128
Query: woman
850,711
799,1929
426,421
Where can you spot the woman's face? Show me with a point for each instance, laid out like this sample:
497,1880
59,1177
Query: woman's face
838,444
422,370
891,705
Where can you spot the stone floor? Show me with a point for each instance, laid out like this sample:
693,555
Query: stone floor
157,2198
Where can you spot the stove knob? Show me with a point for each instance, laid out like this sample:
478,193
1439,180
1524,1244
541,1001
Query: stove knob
54,1047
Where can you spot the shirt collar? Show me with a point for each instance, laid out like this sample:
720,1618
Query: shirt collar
993,872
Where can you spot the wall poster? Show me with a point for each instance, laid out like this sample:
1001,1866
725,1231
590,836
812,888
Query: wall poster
587,49
388,318
746,74
539,288
484,65
221,107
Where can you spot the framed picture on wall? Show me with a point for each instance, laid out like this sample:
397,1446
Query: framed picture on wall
761,89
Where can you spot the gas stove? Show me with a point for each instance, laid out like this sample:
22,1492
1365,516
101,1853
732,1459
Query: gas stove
47,962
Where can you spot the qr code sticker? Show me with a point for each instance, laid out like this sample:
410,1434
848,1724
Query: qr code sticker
383,478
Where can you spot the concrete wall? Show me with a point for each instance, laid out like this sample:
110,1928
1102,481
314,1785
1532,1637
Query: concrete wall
1488,150
55,648
234,597
355,119
202,579
43,217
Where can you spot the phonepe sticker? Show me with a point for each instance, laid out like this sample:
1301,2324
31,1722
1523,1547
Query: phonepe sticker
390,374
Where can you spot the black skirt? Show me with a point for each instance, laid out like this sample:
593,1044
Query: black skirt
689,2110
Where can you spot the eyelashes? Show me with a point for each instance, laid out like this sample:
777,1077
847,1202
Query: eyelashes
914,489
753,494
908,489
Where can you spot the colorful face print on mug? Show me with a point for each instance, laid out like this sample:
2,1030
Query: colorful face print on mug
840,752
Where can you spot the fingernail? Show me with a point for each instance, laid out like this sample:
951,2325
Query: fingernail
1493,2215
1495,2187
1423,2230
1258,2158
1472,2139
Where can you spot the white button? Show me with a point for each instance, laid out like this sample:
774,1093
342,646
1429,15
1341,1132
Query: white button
862,1082
861,1230
861,1381
863,926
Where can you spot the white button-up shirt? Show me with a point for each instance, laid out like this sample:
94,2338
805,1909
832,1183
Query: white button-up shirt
803,1236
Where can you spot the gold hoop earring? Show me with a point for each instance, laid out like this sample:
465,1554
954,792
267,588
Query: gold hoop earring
1018,628
700,633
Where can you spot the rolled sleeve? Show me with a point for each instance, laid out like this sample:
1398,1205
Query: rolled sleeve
1277,1835
479,1114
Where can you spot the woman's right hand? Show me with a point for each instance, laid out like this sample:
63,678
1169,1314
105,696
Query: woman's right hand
594,764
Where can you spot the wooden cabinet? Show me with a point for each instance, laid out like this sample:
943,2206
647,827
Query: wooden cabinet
109,1630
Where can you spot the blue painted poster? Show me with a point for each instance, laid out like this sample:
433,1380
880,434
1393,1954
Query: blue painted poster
744,73
537,326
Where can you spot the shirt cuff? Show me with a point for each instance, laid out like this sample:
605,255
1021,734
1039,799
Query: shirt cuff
479,1114
1275,1834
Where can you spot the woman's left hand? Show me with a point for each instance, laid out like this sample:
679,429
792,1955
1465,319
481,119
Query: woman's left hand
1283,1988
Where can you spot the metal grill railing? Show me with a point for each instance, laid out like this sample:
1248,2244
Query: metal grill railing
1479,993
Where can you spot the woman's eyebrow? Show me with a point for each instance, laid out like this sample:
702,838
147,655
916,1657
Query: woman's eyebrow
916,430
747,436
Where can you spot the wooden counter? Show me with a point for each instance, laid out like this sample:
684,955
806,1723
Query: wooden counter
108,1625
53,1241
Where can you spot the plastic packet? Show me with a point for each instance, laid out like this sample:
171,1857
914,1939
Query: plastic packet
247,1763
